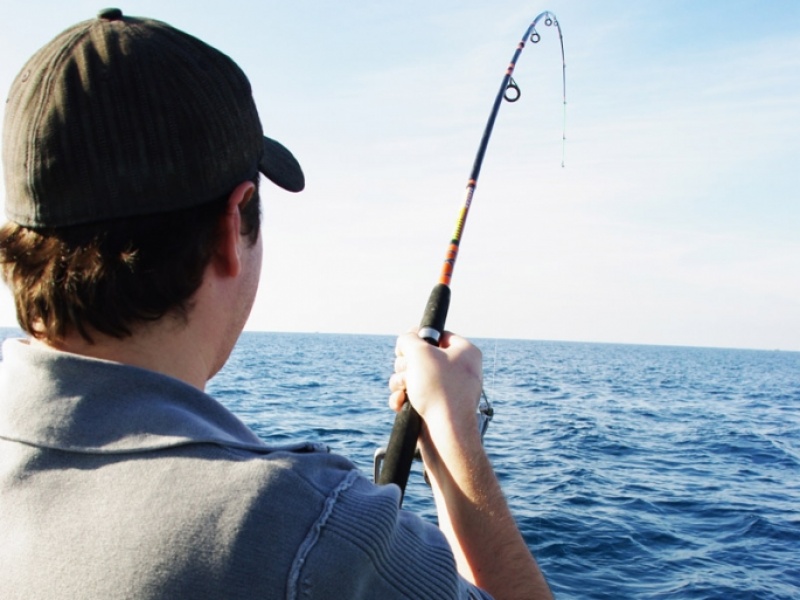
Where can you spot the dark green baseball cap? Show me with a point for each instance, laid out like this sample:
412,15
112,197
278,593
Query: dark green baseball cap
121,117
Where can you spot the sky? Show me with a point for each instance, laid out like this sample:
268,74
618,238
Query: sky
675,219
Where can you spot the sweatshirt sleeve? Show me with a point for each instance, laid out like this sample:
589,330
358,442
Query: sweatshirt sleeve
364,546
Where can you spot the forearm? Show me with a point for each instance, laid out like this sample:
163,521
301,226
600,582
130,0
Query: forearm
444,385
475,517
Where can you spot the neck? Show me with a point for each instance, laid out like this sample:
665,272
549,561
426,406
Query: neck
169,346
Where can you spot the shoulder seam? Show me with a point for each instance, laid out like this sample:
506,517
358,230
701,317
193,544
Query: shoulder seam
293,585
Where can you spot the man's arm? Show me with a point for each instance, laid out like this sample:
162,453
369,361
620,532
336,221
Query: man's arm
444,386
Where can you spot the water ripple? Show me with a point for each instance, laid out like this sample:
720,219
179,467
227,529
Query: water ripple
633,471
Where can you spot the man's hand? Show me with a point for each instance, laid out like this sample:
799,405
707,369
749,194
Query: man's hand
444,385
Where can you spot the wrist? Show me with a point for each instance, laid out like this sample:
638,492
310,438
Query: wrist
451,448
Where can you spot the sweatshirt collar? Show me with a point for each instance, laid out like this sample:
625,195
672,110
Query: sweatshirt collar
71,402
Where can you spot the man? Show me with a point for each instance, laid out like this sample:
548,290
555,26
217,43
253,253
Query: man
131,155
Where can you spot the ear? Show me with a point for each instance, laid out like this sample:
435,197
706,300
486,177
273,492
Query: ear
227,256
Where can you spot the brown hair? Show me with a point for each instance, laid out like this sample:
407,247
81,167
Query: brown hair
110,275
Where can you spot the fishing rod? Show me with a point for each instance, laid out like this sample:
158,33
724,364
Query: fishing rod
393,464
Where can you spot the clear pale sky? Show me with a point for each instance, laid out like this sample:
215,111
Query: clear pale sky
676,219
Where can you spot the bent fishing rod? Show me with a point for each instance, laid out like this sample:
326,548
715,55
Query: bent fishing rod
393,464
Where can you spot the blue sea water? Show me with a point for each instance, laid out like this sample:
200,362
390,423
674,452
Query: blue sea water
639,472
634,471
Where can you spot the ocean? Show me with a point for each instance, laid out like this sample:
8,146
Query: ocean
634,471
640,472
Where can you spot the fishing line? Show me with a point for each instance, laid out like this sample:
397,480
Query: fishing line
494,368
393,464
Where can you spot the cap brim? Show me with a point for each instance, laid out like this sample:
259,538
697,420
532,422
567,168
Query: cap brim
281,167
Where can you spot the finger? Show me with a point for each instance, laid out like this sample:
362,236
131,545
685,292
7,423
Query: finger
397,382
453,340
453,343
446,339
400,343
397,399
407,342
400,364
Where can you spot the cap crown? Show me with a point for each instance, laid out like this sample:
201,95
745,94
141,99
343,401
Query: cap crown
120,116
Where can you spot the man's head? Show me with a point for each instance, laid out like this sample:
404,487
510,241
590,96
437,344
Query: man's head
118,133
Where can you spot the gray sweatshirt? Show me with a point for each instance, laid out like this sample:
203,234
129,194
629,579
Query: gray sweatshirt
117,482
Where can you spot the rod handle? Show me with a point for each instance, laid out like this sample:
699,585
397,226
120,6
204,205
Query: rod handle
407,424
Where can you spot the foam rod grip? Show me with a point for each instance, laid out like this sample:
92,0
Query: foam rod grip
435,314
407,424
